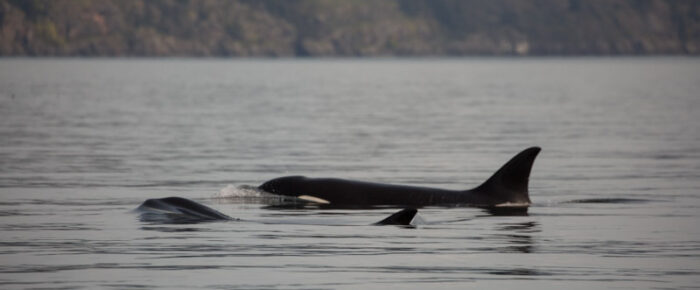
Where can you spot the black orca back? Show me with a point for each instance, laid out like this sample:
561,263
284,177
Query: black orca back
178,210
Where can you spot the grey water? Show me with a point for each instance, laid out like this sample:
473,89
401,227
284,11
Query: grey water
615,191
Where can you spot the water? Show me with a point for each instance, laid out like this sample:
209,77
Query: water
616,189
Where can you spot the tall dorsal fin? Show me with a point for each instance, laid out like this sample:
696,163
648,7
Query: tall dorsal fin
510,182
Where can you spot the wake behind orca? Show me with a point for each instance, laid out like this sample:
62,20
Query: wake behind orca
506,190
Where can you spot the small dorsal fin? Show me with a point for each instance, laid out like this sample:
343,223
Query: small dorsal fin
402,217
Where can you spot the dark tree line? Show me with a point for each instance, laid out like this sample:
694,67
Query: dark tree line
348,28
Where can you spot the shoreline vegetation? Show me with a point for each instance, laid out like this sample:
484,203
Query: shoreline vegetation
317,28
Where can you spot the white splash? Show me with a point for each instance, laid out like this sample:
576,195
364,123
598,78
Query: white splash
513,204
418,220
231,191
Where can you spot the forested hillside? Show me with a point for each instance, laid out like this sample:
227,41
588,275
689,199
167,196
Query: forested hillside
347,28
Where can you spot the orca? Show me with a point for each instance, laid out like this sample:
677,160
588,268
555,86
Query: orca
506,190
178,210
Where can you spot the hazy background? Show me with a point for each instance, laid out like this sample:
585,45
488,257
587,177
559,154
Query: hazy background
348,28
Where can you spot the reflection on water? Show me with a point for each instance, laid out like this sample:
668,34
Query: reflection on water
520,236
609,200
519,272
170,229
506,211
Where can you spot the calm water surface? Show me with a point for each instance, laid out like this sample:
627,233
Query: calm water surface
616,189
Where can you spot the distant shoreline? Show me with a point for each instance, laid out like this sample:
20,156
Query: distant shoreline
361,28
351,58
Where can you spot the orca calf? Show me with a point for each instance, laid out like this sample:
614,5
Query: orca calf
506,190
178,210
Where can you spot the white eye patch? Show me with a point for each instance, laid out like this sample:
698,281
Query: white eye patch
314,199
